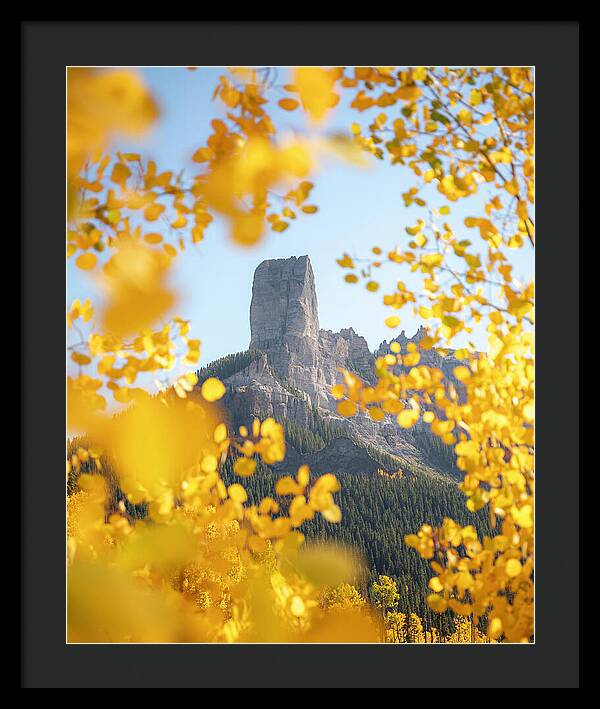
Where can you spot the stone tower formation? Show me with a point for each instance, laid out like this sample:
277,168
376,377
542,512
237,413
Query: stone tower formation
298,362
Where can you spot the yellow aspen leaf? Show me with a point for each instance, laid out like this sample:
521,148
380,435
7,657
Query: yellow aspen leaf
213,389
120,174
230,96
190,380
288,486
134,109
303,475
288,104
495,628
419,73
86,261
462,373
475,97
179,223
347,408
237,493
392,321
203,155
138,296
113,216
244,467
408,93
315,88
435,584
361,101
153,212
427,342
351,278
376,413
79,358
101,103
512,187
220,433
332,514
247,228
338,391
411,540
345,261
209,463
463,609
513,568
153,238
437,603
372,286
406,418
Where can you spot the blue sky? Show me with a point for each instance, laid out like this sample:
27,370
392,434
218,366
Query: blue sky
358,208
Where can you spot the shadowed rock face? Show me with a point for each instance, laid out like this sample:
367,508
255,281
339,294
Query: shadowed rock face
284,323
301,362
284,303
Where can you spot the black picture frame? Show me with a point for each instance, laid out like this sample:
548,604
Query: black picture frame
47,48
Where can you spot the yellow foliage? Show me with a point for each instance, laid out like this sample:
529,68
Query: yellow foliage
209,566
213,389
315,87
134,282
101,104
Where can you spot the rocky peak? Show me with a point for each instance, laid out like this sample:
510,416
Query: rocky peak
402,339
360,358
292,379
284,303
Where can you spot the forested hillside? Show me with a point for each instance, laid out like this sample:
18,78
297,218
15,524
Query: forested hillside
378,510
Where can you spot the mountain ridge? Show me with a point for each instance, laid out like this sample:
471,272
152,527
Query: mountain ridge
292,363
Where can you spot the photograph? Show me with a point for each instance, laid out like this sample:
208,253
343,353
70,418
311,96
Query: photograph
300,359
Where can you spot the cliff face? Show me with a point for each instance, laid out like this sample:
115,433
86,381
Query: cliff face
291,380
284,323
284,303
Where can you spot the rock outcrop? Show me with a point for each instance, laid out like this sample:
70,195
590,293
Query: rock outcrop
284,303
291,380
430,358
284,323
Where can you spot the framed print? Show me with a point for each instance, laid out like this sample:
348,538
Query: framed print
301,419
